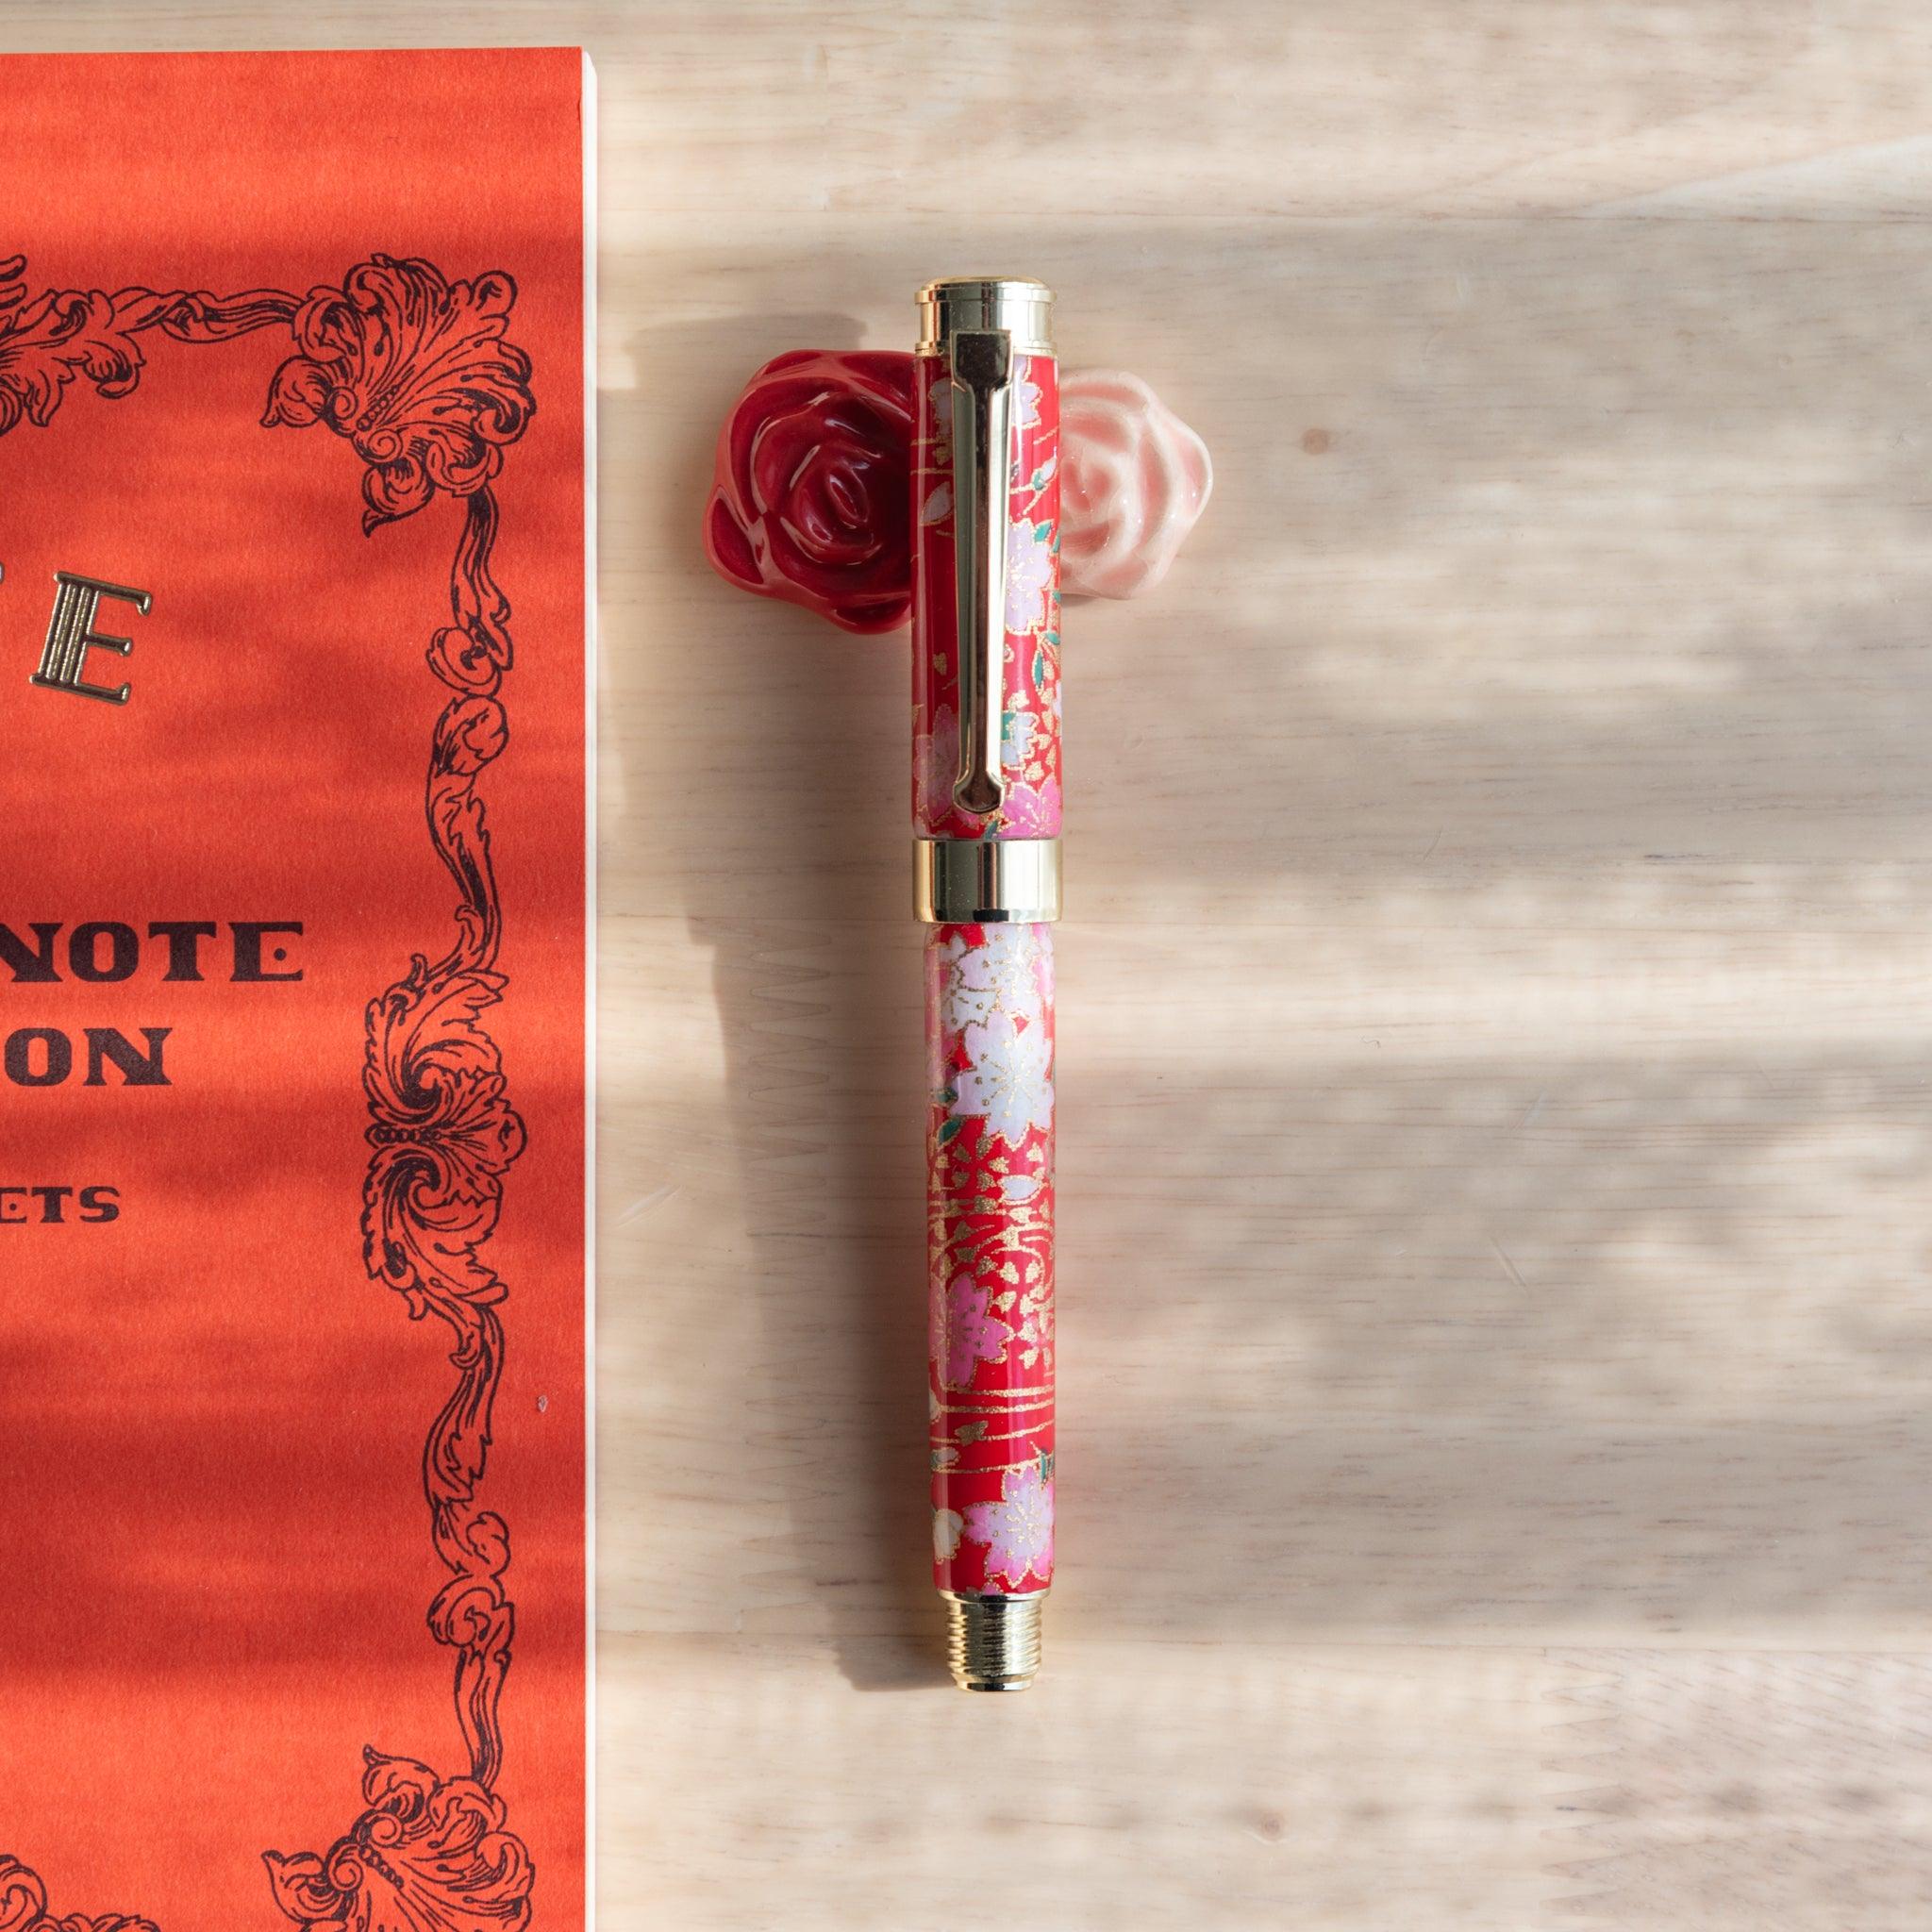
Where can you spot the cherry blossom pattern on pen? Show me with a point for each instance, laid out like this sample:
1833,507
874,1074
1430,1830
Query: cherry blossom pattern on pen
1030,737
1017,1530
989,1148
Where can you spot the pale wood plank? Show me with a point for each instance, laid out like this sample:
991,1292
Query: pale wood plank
1196,1787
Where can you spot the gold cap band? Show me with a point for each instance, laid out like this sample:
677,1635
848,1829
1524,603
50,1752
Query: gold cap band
1022,308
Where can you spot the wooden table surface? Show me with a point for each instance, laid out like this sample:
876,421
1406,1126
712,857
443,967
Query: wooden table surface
1498,1391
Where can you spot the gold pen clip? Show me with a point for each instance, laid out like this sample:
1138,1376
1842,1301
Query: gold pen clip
981,363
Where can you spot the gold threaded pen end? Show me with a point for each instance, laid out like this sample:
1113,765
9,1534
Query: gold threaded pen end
993,1642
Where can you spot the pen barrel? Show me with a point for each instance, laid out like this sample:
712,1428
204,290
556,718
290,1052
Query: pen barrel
1030,754
990,1235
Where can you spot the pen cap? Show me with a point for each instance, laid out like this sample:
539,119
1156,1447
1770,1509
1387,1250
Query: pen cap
985,563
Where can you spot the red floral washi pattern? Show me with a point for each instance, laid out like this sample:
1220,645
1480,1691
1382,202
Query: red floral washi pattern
990,1208
1030,750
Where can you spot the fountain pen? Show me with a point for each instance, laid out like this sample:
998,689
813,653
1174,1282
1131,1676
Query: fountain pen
986,810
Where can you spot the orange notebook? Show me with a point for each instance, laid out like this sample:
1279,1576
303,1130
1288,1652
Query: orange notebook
293,1411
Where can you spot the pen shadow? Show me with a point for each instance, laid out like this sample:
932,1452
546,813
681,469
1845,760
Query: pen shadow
816,982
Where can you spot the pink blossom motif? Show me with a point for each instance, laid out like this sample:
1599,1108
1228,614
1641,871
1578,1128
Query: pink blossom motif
1032,812
1010,1083
965,1331
935,766
1027,404
946,1527
1018,1529
1029,575
1001,975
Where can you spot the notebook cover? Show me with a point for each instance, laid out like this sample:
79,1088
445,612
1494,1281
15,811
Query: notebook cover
292,990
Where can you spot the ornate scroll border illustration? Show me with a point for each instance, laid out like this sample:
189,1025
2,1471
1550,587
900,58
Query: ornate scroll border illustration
416,373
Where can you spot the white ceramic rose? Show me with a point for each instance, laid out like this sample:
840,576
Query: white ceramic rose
1133,479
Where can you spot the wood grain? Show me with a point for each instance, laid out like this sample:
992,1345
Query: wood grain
1493,1061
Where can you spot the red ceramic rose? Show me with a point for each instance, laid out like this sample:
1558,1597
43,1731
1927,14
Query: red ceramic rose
812,501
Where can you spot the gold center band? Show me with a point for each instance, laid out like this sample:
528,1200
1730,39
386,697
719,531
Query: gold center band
986,881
